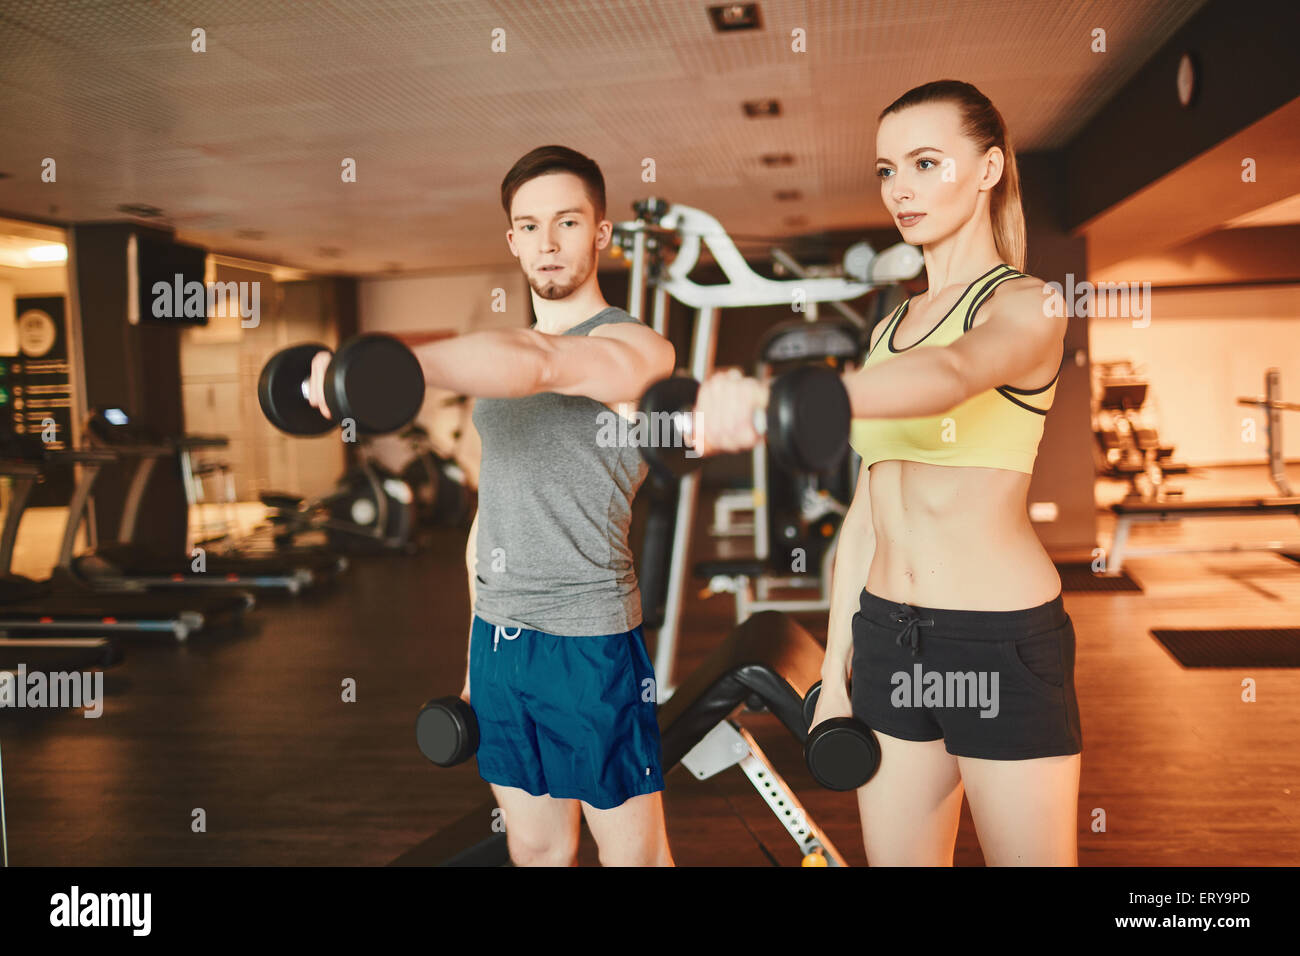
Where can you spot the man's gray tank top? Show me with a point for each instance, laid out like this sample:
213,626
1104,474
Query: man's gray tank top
554,511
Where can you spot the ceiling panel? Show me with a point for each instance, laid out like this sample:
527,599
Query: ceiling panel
250,134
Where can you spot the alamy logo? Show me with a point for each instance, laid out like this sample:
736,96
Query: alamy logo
646,430
1100,299
31,689
195,300
103,909
924,688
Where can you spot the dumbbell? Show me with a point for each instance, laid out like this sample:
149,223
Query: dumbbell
446,731
806,424
373,380
842,753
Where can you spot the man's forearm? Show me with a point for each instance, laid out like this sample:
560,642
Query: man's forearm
912,385
497,363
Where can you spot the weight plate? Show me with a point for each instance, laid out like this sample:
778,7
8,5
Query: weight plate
446,733
664,447
808,419
376,381
810,703
840,756
280,391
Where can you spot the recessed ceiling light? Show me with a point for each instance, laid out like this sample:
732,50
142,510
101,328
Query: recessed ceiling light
728,17
759,108
48,252
143,210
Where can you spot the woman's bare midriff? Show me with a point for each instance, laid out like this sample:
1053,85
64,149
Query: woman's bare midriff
958,538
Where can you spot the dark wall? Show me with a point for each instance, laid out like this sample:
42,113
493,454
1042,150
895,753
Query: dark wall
136,368
1064,471
1143,132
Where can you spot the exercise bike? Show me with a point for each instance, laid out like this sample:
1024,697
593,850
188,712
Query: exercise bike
369,511
443,498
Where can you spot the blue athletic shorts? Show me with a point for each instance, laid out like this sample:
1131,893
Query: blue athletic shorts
573,717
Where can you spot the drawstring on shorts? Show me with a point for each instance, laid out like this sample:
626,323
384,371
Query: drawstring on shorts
907,615
504,632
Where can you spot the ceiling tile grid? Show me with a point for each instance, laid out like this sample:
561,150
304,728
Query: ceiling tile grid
250,134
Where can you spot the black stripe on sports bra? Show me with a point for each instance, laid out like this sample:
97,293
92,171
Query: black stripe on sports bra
1002,390
985,294
960,299
886,324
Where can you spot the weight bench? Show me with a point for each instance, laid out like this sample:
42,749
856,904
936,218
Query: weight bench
769,663
751,580
1129,513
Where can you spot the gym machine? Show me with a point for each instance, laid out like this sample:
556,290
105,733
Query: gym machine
126,565
442,496
1271,402
1127,444
797,513
38,653
649,242
63,605
369,511
1284,504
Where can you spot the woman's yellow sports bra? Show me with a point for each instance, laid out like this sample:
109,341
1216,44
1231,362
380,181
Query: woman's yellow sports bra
999,428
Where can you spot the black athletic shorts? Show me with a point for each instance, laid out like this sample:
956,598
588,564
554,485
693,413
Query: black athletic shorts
992,684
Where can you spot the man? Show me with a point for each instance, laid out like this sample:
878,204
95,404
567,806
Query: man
562,686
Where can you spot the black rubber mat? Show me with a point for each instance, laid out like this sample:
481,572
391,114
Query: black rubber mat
1079,576
1233,647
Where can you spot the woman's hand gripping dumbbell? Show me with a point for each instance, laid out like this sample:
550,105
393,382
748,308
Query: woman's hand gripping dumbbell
803,415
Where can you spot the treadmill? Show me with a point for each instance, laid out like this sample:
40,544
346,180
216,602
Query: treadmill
126,565
39,653
59,607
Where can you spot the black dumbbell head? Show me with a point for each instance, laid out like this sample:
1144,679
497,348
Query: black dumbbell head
280,391
842,753
446,731
375,381
810,703
664,447
808,419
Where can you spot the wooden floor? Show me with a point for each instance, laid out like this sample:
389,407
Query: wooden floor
250,727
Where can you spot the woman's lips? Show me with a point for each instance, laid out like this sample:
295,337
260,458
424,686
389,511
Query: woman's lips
911,220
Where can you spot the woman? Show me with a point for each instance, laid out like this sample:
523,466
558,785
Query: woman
946,613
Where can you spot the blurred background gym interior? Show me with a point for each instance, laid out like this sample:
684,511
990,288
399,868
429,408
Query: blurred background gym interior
344,160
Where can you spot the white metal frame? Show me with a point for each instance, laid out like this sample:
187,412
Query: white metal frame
744,287
729,745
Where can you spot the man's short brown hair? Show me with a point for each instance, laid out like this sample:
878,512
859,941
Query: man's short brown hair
555,159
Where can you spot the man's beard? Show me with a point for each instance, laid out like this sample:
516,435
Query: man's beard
552,290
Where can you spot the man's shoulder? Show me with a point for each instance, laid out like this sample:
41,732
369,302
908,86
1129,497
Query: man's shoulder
618,323
613,314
